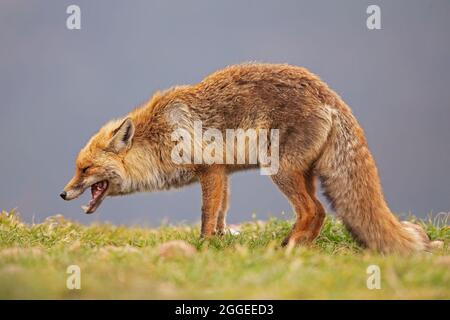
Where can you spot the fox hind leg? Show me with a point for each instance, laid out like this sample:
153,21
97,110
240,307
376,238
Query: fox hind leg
299,188
320,214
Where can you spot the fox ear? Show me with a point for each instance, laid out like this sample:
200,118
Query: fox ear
122,136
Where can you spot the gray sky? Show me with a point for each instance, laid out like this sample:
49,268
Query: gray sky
58,86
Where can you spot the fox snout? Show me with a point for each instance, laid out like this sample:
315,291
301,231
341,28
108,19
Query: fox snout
73,189
70,194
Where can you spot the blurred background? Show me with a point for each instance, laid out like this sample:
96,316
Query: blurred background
58,86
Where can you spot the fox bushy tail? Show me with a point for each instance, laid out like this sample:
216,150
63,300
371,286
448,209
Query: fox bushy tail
351,182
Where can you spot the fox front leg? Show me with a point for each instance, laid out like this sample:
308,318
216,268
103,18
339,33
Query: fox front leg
213,184
221,217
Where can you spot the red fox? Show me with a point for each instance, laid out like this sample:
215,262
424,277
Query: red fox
318,137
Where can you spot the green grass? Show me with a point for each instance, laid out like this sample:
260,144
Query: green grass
129,262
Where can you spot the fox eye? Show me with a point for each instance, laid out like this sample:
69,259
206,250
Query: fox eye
85,169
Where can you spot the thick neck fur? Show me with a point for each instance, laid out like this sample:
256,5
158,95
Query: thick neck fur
147,164
145,170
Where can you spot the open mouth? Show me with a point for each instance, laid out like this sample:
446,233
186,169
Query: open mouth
98,192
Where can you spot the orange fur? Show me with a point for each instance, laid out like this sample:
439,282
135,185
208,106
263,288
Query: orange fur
319,137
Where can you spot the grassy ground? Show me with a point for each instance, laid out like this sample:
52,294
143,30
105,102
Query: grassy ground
130,262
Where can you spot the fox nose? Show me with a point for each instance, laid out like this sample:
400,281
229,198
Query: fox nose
63,195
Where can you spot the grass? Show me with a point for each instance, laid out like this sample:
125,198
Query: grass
131,262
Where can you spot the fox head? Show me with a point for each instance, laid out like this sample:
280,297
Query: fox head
99,165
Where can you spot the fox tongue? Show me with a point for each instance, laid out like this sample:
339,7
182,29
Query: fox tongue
97,191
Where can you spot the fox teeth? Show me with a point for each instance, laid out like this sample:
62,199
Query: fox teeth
85,208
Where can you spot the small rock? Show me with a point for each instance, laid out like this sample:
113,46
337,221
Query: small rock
443,260
176,248
234,230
